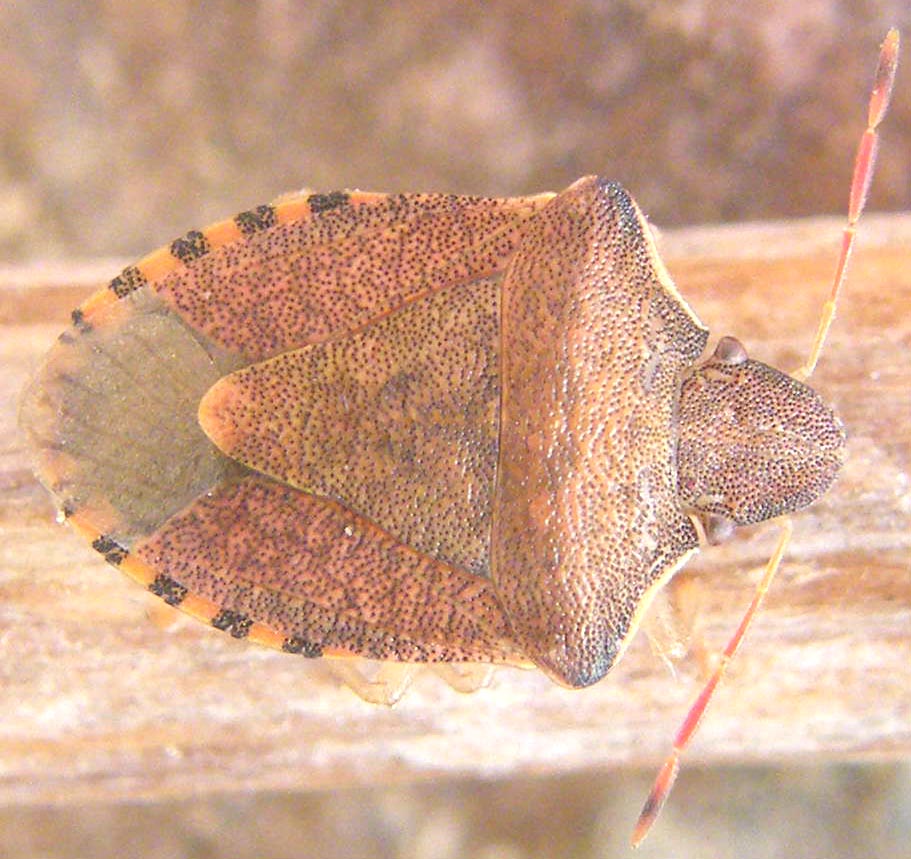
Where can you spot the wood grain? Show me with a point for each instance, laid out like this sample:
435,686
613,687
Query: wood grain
97,701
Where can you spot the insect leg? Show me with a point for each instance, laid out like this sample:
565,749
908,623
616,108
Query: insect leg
464,677
386,685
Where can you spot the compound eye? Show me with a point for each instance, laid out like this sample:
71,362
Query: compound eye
730,351
718,529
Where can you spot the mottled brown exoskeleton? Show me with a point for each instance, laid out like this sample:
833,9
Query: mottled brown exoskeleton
426,428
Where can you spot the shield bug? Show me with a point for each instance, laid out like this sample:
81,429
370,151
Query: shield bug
427,428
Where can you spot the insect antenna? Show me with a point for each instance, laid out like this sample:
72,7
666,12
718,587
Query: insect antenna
864,162
860,185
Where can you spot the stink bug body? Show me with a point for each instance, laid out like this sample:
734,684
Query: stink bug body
426,428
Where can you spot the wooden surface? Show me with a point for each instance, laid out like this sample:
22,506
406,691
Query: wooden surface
97,701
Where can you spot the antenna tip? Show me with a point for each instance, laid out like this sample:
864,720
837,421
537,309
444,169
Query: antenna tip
661,789
888,52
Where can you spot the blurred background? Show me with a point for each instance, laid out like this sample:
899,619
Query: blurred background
123,124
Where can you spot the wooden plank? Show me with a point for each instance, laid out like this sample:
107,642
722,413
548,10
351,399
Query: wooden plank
96,701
